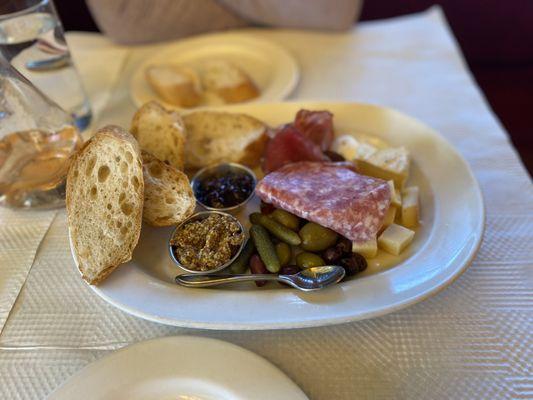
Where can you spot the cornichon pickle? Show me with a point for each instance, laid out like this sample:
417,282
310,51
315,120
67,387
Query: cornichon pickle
265,248
285,218
241,263
308,260
283,250
316,237
275,228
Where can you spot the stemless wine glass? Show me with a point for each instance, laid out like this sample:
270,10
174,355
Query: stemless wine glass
33,41
37,139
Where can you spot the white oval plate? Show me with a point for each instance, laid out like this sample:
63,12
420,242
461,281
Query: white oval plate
272,68
180,368
444,245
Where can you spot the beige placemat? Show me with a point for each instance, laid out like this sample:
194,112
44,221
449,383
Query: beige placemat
471,341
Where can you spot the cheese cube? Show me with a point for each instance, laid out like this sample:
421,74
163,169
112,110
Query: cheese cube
388,164
410,207
395,239
396,197
389,217
367,249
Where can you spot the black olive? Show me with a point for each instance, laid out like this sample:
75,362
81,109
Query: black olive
354,264
345,245
332,255
289,270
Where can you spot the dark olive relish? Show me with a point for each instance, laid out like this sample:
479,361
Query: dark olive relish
226,189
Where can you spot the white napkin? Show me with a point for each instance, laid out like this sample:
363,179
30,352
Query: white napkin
21,233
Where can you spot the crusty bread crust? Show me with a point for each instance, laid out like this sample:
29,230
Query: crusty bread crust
168,196
160,132
240,93
187,93
86,212
214,137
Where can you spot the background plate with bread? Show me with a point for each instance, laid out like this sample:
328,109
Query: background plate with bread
215,70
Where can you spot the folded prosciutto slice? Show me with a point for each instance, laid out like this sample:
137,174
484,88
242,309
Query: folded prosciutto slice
287,146
317,126
330,194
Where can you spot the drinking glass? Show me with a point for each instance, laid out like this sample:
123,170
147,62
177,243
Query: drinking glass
33,41
37,140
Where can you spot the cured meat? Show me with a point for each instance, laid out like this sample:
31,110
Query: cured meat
288,146
330,194
317,126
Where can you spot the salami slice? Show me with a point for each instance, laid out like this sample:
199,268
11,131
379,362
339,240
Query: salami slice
330,194
317,126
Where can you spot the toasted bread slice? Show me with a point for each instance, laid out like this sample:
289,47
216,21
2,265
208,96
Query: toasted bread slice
168,196
105,194
160,132
214,137
227,81
179,86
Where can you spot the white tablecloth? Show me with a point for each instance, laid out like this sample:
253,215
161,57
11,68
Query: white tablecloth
471,341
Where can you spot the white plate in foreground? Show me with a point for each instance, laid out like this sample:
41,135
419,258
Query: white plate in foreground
180,368
446,242
273,69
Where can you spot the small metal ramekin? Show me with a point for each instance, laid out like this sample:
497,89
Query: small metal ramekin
222,168
196,217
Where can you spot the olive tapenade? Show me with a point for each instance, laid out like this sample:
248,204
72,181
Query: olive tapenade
224,189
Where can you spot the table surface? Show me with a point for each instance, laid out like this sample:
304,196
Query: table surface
472,340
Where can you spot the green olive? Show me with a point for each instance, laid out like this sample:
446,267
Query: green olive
308,260
284,253
285,218
317,238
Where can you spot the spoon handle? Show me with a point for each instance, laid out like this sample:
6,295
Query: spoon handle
193,280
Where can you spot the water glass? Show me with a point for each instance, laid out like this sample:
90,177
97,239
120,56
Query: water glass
33,41
37,140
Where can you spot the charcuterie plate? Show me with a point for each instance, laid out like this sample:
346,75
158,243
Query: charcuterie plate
450,232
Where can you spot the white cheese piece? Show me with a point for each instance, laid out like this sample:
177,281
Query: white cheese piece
346,146
396,197
388,164
410,207
395,239
365,151
367,249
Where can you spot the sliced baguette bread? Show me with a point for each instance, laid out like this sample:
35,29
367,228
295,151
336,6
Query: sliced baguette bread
168,196
160,132
214,137
227,81
179,86
105,194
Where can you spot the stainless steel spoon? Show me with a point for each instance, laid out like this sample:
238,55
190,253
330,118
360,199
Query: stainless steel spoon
307,280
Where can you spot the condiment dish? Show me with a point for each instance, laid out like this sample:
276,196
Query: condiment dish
223,168
197,217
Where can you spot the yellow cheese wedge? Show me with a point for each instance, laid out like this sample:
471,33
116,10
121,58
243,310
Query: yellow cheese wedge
395,239
410,207
367,249
396,197
389,218
388,164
